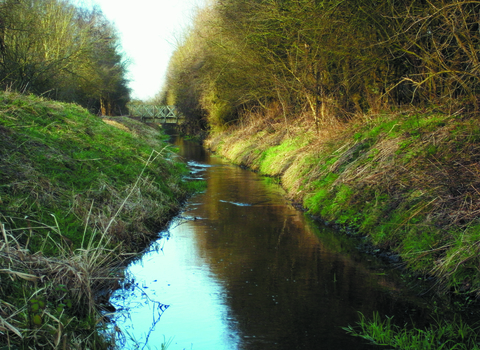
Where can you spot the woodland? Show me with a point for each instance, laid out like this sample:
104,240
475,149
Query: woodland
58,50
329,59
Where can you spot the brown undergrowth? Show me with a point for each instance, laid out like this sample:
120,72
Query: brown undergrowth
408,179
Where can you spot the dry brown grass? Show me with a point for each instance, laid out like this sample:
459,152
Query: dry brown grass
83,274
245,143
116,124
86,275
148,133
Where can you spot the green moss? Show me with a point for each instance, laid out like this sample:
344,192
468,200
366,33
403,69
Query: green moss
378,128
316,202
273,158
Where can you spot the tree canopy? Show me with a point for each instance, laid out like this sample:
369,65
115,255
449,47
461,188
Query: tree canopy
56,49
327,59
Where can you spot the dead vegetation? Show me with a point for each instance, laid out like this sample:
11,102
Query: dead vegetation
58,293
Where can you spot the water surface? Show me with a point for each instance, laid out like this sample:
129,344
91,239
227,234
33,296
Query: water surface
241,268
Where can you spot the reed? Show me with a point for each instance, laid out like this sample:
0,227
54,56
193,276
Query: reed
54,301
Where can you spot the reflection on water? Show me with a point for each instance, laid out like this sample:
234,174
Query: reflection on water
242,269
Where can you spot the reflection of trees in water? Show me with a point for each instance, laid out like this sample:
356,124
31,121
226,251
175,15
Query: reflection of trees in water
281,278
287,280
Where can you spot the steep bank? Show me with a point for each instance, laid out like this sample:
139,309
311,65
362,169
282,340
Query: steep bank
409,180
78,195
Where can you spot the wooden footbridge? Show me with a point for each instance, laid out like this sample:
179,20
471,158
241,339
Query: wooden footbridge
155,113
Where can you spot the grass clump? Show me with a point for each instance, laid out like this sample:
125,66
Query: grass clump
79,195
55,302
440,335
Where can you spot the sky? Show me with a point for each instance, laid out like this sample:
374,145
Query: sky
148,30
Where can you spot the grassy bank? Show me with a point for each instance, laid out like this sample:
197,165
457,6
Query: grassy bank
409,180
78,196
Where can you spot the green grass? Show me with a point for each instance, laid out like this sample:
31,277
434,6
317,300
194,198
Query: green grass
78,196
442,334
270,163
70,158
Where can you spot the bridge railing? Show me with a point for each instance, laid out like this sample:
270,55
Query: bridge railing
165,114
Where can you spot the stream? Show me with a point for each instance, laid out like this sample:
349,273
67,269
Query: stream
242,269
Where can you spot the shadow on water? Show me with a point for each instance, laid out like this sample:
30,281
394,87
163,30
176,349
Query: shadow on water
241,268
